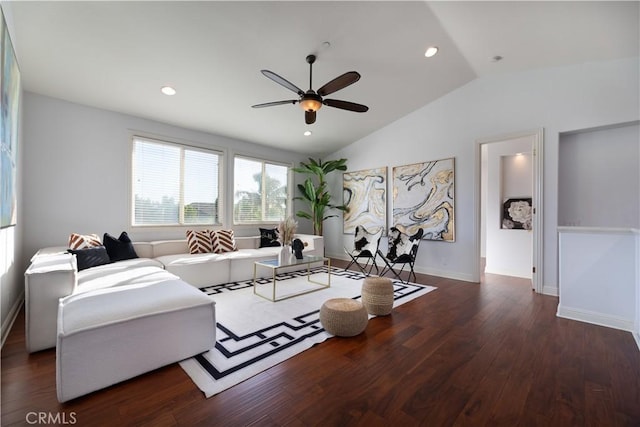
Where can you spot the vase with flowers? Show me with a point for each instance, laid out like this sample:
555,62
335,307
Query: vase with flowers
286,232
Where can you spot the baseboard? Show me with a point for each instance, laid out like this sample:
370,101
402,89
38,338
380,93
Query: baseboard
430,271
550,290
11,318
512,273
636,336
595,318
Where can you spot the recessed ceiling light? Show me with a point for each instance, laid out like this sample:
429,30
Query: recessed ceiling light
168,90
431,51
307,133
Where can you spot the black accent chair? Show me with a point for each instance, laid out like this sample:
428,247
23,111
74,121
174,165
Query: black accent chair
403,250
365,250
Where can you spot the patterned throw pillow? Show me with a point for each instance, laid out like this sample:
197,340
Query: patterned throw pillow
81,241
199,241
223,241
269,237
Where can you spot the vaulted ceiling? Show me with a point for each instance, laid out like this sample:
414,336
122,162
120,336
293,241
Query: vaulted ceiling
116,55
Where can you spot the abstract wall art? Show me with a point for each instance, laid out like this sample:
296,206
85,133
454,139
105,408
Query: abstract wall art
423,197
517,213
9,108
364,195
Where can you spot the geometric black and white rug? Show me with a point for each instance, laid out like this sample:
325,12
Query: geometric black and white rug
254,334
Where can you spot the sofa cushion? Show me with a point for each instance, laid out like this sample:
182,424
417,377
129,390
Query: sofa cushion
91,257
199,241
111,335
242,262
169,247
223,241
269,237
80,241
133,271
119,249
199,270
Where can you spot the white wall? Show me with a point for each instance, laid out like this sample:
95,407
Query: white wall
76,171
557,99
599,178
508,252
598,276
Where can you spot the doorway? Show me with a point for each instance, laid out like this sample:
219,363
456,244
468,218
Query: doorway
509,179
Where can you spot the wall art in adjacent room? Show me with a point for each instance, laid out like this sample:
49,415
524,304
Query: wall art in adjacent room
423,197
517,213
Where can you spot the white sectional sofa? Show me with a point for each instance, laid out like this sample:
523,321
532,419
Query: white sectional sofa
53,274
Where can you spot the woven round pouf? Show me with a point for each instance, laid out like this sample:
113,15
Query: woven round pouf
377,295
343,317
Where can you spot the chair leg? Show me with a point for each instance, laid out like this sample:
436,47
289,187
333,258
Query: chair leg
374,264
398,274
415,279
354,260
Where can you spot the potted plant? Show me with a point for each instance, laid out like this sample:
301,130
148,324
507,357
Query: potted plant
316,193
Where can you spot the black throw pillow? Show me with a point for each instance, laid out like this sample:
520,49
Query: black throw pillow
119,249
90,257
269,237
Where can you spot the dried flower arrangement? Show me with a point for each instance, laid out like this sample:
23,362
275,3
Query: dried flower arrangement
287,230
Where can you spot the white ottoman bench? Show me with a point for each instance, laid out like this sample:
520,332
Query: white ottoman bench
111,335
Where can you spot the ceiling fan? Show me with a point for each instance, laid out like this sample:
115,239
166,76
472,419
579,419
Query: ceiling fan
311,101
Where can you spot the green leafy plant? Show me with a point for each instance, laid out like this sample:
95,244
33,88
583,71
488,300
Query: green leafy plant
315,193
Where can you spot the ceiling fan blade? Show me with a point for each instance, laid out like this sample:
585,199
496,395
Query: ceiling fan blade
338,83
271,104
282,81
346,105
309,117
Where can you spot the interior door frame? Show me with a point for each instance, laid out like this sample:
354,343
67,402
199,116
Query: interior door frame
538,199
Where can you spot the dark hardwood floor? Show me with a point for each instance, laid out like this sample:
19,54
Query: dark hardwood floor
467,354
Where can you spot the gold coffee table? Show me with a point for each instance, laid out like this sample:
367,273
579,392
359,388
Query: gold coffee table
274,266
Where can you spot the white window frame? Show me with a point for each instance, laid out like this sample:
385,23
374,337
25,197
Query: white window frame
181,225
289,167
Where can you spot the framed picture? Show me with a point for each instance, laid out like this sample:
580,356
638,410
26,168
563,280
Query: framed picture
517,213
10,92
364,195
423,197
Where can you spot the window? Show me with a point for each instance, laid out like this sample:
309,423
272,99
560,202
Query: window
174,184
260,191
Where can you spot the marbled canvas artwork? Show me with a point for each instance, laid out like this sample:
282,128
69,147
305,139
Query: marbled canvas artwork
364,195
423,197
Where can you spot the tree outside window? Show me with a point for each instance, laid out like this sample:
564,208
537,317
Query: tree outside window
261,191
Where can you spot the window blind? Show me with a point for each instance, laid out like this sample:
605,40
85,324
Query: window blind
174,184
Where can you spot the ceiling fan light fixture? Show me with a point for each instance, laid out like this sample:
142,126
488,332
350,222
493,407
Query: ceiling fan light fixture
311,102
431,51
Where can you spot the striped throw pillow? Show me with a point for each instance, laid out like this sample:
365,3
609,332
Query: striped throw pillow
81,241
199,241
223,241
